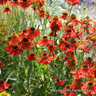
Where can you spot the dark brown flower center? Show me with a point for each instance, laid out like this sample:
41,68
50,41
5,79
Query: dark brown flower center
32,54
73,16
15,0
78,68
51,47
7,8
87,17
61,40
73,61
1,81
47,13
90,84
65,14
68,87
32,28
85,67
44,54
77,32
45,38
55,17
9,38
89,58
57,79
88,32
15,47
67,45
24,31
69,30
24,0
73,40
25,40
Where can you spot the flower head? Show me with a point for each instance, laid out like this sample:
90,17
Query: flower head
31,56
44,41
3,85
4,93
7,10
45,58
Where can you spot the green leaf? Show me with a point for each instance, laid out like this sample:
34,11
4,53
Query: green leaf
9,76
26,71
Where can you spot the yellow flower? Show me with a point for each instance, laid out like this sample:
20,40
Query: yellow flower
4,93
79,95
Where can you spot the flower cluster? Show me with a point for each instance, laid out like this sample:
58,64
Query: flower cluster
75,35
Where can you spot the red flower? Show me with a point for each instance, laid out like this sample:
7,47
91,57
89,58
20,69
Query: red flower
51,48
1,64
79,33
14,50
7,10
77,84
68,48
85,71
3,85
60,82
69,55
74,2
89,62
84,48
94,71
74,43
56,24
48,15
65,15
41,3
89,88
62,42
3,2
24,3
15,3
42,12
45,58
75,74
71,63
73,20
13,40
44,41
52,34
26,44
23,33
31,56
32,33
68,91
69,33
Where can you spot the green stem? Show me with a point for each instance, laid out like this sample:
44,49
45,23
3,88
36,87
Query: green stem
70,10
29,73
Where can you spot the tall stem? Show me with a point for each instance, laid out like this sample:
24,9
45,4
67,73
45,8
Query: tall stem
70,10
